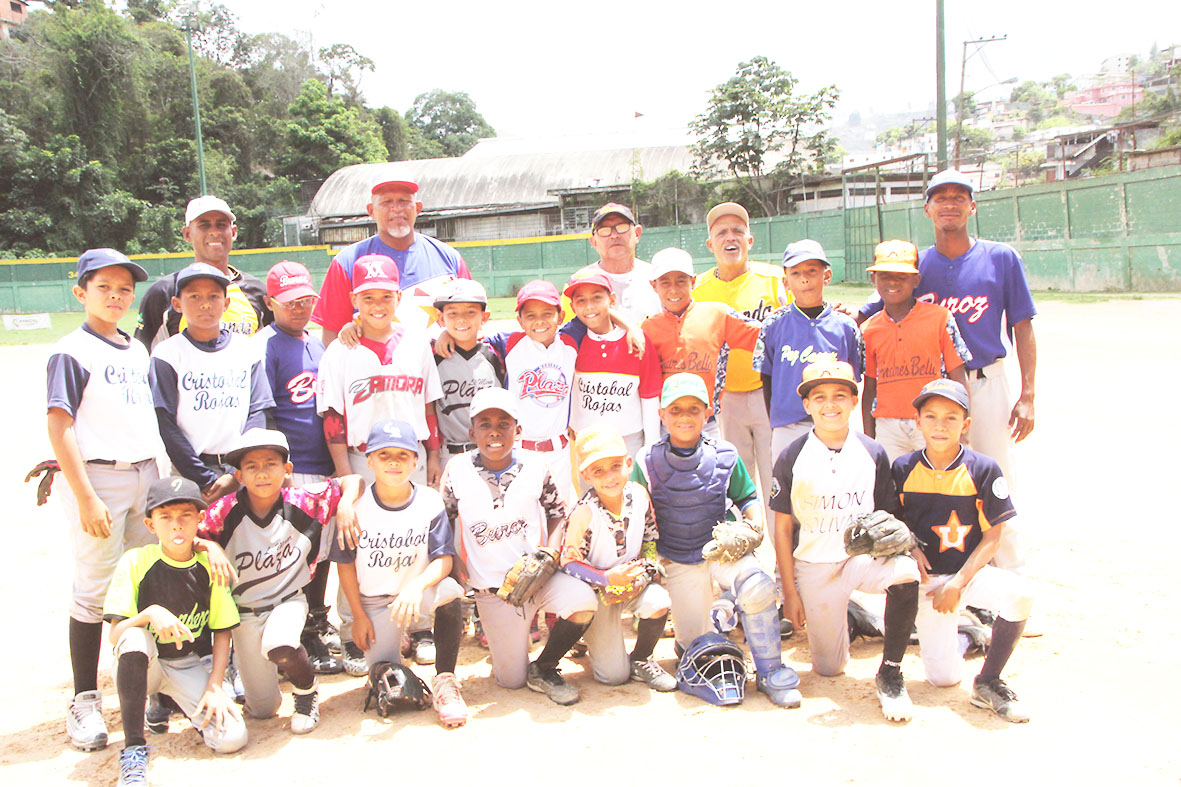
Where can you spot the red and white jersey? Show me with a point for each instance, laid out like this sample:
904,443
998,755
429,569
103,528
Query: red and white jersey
542,379
373,381
610,382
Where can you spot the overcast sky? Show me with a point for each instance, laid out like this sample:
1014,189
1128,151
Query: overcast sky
541,68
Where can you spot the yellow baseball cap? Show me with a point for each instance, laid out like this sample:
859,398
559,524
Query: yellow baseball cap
895,256
595,444
826,371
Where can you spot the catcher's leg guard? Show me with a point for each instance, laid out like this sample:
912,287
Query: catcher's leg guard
760,622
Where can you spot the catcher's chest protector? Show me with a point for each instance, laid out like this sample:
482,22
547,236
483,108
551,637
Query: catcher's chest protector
688,495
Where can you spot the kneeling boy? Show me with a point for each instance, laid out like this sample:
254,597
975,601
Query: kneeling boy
170,625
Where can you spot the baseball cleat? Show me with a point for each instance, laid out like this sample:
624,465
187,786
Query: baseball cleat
354,660
549,681
653,675
307,710
321,659
84,722
448,702
422,643
157,714
996,696
133,766
891,687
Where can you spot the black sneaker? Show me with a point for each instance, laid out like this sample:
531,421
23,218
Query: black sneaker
328,633
996,696
354,659
160,707
321,659
549,681
891,687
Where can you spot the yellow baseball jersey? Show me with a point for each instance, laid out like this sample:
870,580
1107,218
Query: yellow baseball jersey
755,294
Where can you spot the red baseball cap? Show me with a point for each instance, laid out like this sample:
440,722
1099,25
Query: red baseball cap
289,281
396,185
375,272
597,278
539,290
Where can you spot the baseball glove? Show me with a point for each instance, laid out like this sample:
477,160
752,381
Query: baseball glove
527,575
393,687
48,467
731,540
878,534
618,594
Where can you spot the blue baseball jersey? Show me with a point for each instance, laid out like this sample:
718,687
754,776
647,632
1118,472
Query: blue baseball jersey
292,364
789,340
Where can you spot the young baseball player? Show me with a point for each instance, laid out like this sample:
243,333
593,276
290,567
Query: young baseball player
610,544
822,481
693,480
907,345
803,332
613,388
275,535
170,626
956,502
102,429
503,503
400,565
208,384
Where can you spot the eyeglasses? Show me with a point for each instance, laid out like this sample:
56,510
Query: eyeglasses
622,228
300,303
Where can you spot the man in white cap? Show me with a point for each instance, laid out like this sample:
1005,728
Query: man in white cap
210,229
423,262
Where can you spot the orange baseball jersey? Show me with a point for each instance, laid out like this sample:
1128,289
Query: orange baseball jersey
904,356
692,341
755,294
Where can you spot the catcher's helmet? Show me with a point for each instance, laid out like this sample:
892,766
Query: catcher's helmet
393,686
713,668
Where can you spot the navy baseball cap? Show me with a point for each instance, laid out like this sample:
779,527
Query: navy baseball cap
201,270
174,489
391,433
948,389
612,209
952,176
96,259
802,251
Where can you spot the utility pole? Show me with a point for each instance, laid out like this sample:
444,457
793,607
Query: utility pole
190,23
940,88
959,100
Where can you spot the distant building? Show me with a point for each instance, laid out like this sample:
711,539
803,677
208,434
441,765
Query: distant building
1106,99
12,14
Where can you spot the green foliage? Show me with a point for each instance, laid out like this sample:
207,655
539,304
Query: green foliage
673,198
345,65
449,119
393,133
1171,138
893,136
762,133
325,134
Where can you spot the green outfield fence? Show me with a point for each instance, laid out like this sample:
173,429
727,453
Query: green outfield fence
1116,233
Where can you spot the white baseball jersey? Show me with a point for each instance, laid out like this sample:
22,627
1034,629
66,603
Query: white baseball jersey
541,378
605,550
104,387
635,297
366,387
397,544
614,389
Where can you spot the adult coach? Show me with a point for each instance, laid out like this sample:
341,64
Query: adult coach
983,284
754,290
211,230
615,235
423,262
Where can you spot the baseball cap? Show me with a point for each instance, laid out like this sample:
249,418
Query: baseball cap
375,272
726,209
669,260
952,176
596,278
683,384
391,433
200,270
608,209
826,371
289,281
395,178
199,206
173,489
461,291
802,251
258,438
538,290
948,389
493,399
595,444
895,256
97,259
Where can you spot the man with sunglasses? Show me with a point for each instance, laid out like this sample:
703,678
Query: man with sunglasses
614,235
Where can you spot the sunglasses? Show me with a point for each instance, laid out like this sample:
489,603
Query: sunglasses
300,303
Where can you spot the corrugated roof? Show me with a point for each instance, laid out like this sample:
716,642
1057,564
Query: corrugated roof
483,181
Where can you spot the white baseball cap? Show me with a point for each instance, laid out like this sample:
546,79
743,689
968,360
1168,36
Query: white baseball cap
669,260
494,399
202,205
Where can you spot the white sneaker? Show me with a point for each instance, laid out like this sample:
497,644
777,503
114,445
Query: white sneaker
448,702
307,710
896,705
84,722
133,766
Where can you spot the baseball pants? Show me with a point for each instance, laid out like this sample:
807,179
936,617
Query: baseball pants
992,404
604,638
691,592
387,634
560,469
899,436
825,589
1010,594
744,423
507,627
783,436
184,679
255,637
123,487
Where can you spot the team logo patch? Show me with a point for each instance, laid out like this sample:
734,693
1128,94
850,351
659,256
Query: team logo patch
1000,488
373,268
176,484
546,385
302,387
774,488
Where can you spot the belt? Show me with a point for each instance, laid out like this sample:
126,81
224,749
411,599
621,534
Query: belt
459,448
212,460
265,609
552,444
118,465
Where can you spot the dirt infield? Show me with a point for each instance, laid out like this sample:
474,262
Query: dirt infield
1102,683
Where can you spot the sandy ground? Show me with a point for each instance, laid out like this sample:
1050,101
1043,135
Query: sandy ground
1102,683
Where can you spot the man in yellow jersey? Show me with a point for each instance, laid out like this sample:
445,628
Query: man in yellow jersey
210,228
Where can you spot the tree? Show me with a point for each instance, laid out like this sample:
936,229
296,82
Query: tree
762,133
345,65
449,119
673,198
324,134
393,133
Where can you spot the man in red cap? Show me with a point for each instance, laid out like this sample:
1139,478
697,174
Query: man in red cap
423,262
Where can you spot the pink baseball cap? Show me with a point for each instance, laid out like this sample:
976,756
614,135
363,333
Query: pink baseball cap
375,272
597,278
539,290
289,281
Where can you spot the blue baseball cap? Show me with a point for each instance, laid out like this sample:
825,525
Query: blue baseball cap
948,389
802,251
96,259
200,270
391,433
952,176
